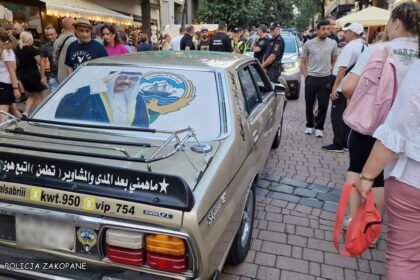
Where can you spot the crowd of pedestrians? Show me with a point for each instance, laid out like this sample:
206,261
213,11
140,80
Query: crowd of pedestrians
375,115
28,72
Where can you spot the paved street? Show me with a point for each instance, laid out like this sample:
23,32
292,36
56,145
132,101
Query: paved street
296,203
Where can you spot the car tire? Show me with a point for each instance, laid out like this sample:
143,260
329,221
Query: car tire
243,237
294,96
277,138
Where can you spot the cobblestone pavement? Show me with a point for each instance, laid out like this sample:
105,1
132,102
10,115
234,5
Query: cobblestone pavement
295,213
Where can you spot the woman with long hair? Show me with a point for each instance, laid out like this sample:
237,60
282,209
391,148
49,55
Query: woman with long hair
28,62
9,90
403,32
112,41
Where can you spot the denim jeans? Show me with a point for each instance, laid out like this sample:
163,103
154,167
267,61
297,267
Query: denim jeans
53,83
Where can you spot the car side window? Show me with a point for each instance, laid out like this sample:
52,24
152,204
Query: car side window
252,98
262,84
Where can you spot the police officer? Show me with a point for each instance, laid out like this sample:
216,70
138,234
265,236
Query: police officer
260,43
274,53
238,44
220,42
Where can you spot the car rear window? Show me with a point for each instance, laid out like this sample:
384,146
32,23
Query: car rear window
165,99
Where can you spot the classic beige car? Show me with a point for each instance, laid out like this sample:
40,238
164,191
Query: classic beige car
138,167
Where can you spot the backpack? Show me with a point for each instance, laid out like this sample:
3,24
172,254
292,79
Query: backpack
374,94
364,228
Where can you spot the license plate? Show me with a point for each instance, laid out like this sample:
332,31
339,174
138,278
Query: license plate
41,233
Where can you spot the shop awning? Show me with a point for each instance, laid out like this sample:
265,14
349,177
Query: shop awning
85,9
371,16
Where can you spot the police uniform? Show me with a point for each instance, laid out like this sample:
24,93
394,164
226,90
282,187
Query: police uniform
220,42
262,43
276,47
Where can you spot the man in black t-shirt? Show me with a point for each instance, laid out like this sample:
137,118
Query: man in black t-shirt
274,53
204,44
333,27
260,43
187,43
220,41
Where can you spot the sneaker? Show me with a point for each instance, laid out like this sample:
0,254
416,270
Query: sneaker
319,133
309,130
333,148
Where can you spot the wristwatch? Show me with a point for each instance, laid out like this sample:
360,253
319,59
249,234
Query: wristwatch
15,88
363,177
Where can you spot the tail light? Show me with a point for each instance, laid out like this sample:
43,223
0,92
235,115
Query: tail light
166,253
125,247
167,263
166,245
124,255
161,252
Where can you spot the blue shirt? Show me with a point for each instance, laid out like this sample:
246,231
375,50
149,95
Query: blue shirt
79,53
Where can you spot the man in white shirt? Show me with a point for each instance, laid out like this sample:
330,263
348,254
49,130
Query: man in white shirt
345,63
176,41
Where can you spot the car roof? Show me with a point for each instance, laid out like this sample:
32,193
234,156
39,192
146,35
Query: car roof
178,59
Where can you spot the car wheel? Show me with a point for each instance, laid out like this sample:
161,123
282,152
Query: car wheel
294,95
242,242
277,138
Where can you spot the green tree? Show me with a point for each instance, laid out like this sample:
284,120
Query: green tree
280,10
308,10
234,12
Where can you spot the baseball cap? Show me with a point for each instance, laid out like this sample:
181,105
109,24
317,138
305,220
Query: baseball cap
274,25
82,22
222,24
237,30
204,29
355,27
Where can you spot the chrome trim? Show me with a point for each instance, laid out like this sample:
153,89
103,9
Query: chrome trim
102,224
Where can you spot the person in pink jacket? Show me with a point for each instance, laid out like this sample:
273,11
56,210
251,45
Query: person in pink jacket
112,41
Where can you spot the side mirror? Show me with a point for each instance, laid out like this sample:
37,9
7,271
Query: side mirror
279,89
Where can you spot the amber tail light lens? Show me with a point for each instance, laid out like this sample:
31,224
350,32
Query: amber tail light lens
165,245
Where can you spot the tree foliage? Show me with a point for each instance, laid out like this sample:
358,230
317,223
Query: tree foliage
246,13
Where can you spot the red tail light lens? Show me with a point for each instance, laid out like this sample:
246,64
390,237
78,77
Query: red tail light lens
167,263
125,256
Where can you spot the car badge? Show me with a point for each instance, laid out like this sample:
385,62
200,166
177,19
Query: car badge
87,237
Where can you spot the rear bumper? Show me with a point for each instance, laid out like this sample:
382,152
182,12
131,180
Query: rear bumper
21,264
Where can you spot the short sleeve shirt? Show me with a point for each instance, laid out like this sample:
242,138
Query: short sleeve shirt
204,45
6,56
187,41
47,51
78,53
262,43
276,47
220,43
405,52
319,54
